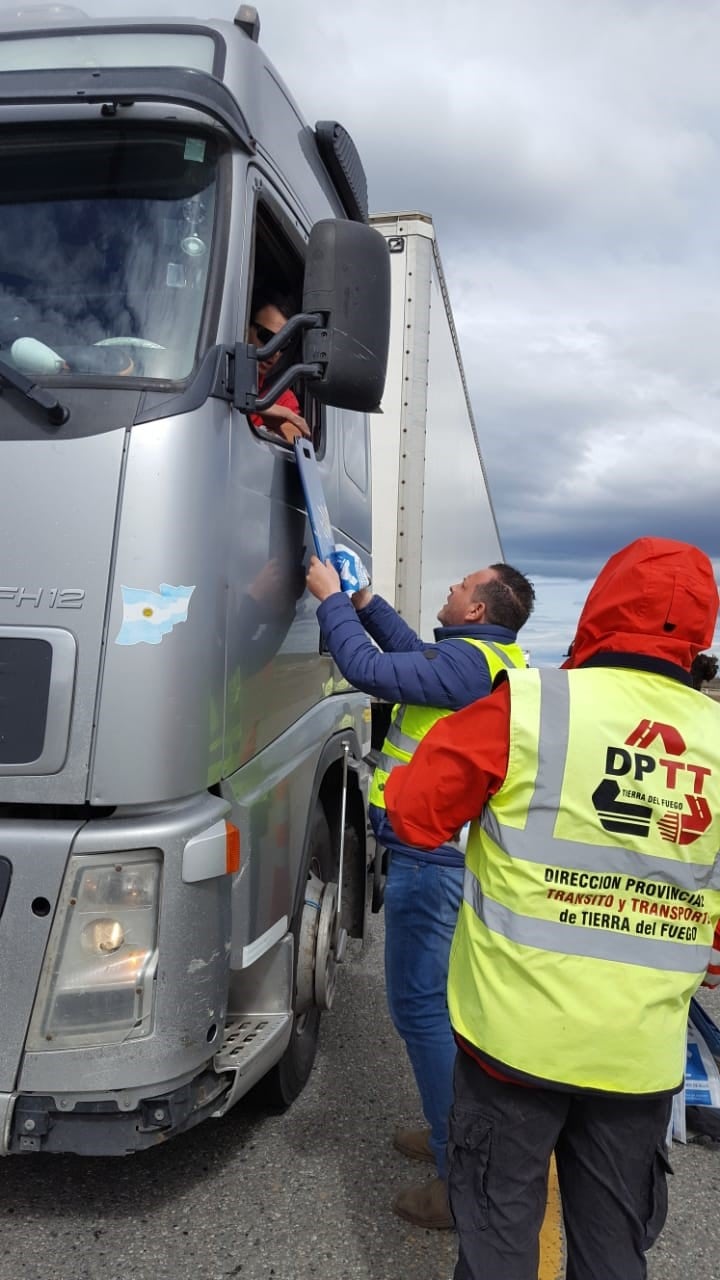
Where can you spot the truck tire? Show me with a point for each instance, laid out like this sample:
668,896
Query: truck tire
288,1077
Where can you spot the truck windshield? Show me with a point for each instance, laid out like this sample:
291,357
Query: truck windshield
105,244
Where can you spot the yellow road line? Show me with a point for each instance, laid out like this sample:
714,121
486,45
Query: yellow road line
552,1265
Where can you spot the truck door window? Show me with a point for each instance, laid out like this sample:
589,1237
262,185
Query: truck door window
277,282
106,236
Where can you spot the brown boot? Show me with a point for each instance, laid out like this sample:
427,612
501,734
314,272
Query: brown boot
425,1206
414,1143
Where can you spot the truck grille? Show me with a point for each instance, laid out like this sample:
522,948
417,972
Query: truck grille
25,669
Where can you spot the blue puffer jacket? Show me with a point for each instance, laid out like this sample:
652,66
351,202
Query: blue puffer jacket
447,674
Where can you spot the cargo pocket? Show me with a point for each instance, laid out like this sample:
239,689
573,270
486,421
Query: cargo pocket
469,1146
658,1200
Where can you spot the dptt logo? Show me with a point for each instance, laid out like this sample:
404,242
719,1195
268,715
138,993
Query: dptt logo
642,772
648,730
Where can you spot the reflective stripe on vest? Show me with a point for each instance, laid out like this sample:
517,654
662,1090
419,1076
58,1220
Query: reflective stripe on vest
592,886
396,738
410,723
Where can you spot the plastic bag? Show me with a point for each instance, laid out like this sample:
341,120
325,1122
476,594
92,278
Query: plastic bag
698,1103
352,572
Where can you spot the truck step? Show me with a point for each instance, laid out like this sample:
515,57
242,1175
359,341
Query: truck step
249,1038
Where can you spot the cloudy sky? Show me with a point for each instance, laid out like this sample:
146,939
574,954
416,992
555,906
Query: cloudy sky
569,152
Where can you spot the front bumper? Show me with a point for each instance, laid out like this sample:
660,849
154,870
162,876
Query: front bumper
108,1126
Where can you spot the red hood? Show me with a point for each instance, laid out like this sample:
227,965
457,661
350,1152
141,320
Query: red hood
655,597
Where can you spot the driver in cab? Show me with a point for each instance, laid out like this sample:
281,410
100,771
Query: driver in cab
270,313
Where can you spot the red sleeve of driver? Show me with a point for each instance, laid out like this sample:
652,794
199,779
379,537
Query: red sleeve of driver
460,763
289,401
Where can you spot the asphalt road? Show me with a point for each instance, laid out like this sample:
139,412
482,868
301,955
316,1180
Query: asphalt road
258,1196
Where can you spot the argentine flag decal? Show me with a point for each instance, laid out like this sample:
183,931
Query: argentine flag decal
149,615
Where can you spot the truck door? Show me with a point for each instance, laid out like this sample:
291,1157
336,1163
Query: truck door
275,669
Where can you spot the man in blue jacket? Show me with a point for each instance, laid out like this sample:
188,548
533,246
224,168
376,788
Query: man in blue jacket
476,639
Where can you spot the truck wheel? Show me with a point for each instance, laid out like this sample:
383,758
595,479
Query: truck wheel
314,981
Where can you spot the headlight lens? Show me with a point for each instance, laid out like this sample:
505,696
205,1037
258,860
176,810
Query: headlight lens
97,985
103,936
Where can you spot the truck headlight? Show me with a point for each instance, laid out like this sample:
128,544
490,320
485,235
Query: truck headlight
103,935
97,984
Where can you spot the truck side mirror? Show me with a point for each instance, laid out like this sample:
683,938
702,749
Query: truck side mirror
347,282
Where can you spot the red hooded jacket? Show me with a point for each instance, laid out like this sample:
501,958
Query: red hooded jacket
656,597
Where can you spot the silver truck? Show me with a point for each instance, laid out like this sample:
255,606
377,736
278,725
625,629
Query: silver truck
182,796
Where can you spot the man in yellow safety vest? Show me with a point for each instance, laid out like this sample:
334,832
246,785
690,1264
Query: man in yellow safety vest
426,682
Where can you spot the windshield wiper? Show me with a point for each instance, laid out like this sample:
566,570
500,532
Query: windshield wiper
57,413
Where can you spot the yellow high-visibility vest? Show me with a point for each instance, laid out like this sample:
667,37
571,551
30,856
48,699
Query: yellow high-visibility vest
409,724
592,882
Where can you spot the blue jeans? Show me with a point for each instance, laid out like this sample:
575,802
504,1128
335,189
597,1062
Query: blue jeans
422,900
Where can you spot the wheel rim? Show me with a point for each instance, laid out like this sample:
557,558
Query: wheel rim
326,950
309,921
321,945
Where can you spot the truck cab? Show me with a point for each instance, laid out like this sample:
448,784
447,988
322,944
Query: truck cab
182,789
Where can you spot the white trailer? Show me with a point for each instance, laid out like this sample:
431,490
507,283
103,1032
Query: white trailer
433,519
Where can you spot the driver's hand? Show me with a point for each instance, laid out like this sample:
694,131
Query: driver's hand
286,423
291,431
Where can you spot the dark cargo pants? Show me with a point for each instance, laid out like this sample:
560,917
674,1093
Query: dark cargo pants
611,1162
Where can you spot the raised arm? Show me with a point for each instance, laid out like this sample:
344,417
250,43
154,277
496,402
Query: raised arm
380,620
387,628
447,675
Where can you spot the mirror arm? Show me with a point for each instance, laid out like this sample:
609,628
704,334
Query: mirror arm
296,324
296,371
245,356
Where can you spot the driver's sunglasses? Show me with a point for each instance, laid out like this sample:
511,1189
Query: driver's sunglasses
265,335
